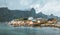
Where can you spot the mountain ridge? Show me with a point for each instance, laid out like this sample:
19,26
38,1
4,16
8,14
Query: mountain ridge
8,15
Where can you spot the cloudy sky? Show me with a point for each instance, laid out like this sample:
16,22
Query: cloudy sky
46,6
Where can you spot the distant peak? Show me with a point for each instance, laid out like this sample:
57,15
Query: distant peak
4,8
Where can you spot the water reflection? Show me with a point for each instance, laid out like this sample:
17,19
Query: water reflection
9,30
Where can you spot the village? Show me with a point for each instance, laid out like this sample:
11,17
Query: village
37,22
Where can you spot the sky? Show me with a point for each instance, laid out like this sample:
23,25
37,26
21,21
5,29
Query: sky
45,6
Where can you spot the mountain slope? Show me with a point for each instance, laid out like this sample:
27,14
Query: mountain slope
8,15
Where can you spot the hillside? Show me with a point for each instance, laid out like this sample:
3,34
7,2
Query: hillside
8,15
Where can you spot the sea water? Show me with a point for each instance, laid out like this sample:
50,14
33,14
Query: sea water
6,29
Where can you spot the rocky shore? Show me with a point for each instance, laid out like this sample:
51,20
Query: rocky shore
30,23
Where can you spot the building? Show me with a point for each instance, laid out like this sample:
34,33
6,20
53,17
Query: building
52,20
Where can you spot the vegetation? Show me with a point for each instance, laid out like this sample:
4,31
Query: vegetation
21,19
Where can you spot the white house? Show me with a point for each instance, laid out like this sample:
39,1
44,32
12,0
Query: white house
30,18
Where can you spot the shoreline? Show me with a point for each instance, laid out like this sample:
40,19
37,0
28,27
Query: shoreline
40,26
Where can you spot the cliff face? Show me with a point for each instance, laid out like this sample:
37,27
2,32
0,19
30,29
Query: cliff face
8,15
4,14
23,14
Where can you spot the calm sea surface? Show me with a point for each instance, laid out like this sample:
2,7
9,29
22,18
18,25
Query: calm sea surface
5,29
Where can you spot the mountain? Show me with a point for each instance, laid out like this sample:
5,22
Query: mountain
41,15
53,16
4,14
8,15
